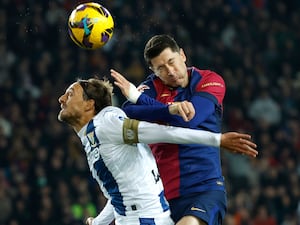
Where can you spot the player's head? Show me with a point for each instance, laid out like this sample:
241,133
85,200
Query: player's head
83,99
157,44
167,60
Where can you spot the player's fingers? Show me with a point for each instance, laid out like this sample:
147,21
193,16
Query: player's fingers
247,149
243,151
114,74
236,135
120,80
188,109
250,152
184,107
117,76
243,136
248,143
191,111
118,84
182,112
89,221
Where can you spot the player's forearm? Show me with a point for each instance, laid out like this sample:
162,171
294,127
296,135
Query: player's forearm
149,109
154,133
154,113
143,132
143,107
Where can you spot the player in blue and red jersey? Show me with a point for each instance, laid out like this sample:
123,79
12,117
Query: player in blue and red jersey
191,173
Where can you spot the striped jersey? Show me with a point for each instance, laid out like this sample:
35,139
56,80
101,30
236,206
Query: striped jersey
127,174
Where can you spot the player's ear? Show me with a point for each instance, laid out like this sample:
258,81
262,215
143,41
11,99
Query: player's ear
90,105
182,54
151,68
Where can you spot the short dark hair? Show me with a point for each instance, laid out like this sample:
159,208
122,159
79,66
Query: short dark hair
157,44
100,90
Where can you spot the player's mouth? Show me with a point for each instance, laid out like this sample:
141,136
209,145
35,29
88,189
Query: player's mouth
174,78
62,106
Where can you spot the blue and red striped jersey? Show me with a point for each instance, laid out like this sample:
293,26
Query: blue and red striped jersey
184,168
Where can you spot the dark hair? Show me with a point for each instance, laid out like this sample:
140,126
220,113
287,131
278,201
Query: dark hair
98,90
157,44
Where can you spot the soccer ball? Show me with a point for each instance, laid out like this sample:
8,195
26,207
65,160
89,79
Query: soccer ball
90,25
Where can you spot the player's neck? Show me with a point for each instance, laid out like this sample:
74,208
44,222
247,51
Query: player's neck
80,123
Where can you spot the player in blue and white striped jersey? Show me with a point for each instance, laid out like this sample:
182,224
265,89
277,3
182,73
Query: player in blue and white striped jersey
119,157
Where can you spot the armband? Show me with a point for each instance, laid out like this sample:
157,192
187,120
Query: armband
130,131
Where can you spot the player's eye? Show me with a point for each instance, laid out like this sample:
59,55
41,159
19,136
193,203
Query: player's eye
70,93
171,62
161,70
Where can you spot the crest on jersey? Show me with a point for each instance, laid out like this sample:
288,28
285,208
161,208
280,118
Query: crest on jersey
92,139
90,134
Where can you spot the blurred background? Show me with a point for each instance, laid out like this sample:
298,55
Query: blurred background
253,44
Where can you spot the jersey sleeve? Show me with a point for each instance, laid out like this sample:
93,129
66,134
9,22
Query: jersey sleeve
204,107
211,86
150,133
150,111
106,216
109,125
115,127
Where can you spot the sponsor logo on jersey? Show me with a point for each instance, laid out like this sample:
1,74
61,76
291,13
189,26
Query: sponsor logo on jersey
165,95
212,84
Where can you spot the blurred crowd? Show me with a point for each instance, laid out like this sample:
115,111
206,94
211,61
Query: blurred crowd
253,44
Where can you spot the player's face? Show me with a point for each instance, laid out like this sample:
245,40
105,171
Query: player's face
72,104
170,67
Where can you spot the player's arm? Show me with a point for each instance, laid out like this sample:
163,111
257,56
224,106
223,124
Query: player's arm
143,107
105,217
119,130
139,103
135,131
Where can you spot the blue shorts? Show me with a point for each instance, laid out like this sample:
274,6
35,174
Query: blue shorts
209,206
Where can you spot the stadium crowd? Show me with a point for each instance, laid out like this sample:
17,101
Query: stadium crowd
253,44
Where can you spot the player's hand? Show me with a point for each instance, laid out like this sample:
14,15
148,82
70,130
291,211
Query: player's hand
121,82
184,109
89,221
239,143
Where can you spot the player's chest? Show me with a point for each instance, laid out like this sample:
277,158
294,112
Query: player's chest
168,96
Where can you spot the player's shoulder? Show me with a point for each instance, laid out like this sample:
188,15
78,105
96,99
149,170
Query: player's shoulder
110,112
149,83
206,78
206,74
208,81
150,79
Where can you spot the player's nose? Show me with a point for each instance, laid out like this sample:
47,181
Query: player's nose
169,70
61,99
